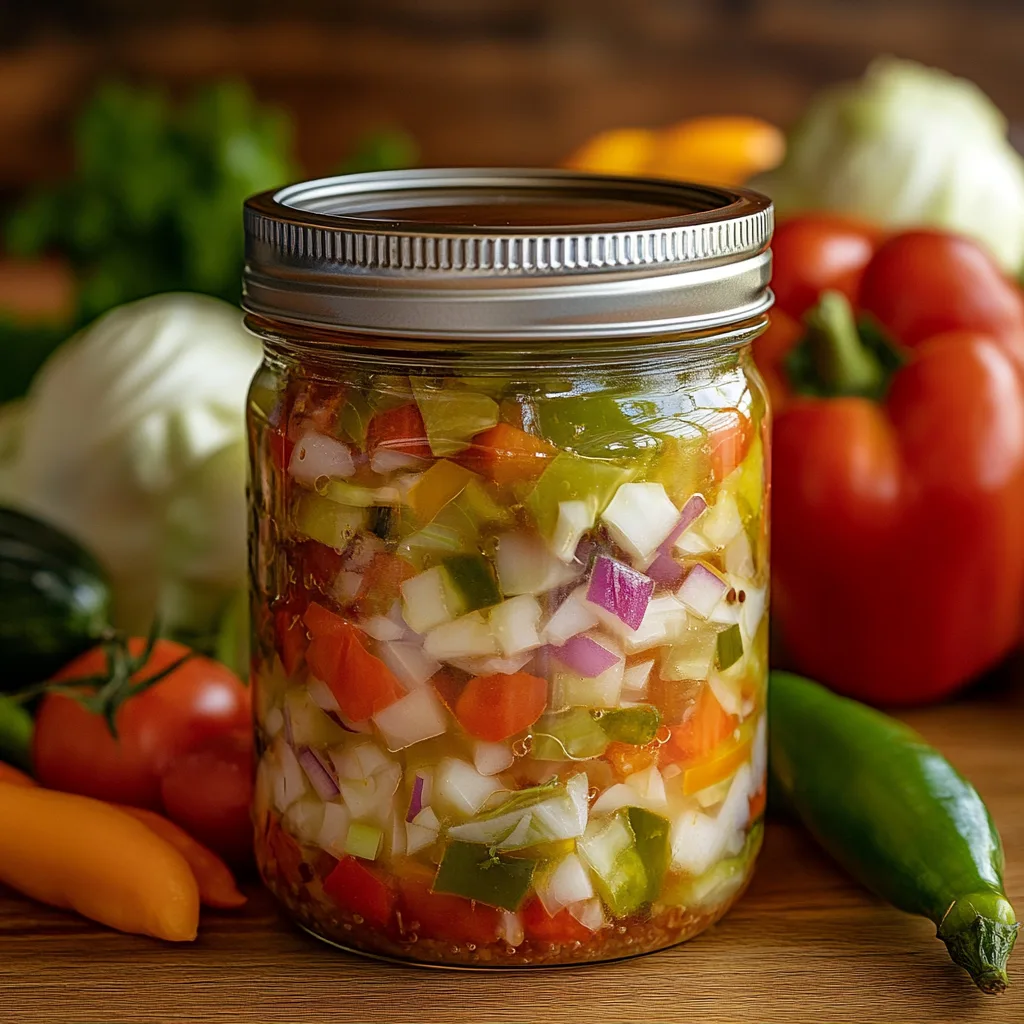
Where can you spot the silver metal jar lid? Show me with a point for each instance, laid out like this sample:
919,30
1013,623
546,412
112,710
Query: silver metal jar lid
507,254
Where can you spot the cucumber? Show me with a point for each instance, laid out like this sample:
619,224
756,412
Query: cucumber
897,815
54,600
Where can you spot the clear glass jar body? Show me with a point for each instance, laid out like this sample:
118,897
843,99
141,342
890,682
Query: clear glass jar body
510,642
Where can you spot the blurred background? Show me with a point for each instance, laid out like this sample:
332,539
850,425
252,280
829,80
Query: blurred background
479,81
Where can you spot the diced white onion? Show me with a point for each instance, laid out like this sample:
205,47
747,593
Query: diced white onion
334,828
317,455
525,565
380,627
417,837
467,637
415,717
346,586
590,913
649,786
409,662
664,621
493,665
321,695
425,600
573,616
510,928
702,589
385,461
635,679
722,522
515,624
752,612
574,519
491,758
639,518
461,787
273,722
693,542
601,691
691,657
304,819
566,882
739,558
289,780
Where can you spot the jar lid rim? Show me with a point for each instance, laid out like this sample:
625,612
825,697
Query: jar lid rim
422,252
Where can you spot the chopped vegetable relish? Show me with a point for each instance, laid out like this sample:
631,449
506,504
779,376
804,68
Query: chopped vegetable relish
510,657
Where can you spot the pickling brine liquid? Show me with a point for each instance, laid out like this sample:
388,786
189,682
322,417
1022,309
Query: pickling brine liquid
510,648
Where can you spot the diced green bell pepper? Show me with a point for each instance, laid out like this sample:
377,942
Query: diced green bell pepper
328,522
572,478
651,832
451,414
477,873
631,725
574,733
472,579
728,647
594,425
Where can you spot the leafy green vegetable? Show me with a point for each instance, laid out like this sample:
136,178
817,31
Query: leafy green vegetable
907,145
153,203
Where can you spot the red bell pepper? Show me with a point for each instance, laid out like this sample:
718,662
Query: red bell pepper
494,708
360,890
898,479
436,915
540,926
361,683
399,430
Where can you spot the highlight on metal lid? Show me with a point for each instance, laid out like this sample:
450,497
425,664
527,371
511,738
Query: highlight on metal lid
504,254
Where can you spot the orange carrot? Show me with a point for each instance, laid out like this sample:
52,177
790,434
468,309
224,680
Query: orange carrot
82,854
707,725
506,454
216,883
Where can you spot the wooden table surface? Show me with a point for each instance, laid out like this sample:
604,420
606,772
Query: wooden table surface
804,945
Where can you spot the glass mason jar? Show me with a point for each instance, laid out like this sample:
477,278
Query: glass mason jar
509,560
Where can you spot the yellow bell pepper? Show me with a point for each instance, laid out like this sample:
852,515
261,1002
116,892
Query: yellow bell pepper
718,150
439,485
717,769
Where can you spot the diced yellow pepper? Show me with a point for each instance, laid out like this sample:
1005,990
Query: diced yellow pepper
700,776
439,485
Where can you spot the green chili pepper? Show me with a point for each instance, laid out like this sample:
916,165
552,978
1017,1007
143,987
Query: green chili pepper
574,734
15,734
473,580
571,478
728,647
636,725
897,816
651,831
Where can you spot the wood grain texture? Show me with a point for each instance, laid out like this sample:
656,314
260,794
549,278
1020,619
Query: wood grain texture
804,945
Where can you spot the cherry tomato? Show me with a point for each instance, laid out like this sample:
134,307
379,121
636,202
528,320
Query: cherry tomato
208,792
74,751
817,252
923,283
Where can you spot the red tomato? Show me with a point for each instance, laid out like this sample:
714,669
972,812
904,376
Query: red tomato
208,792
436,915
817,252
539,925
74,751
360,890
924,283
399,430
729,434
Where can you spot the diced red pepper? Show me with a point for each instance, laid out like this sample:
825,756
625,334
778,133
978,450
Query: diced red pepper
291,638
628,758
318,565
729,434
435,915
506,454
382,585
399,430
281,446
361,683
701,731
496,707
283,851
361,890
540,926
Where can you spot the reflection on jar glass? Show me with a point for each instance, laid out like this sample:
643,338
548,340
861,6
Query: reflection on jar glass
509,561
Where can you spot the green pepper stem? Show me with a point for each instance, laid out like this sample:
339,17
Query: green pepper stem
979,931
843,363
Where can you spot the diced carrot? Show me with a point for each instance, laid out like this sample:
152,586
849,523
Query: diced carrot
627,758
361,683
361,890
506,454
758,802
496,707
540,926
381,585
399,430
707,725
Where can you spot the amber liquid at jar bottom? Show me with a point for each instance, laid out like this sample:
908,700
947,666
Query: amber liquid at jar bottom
510,651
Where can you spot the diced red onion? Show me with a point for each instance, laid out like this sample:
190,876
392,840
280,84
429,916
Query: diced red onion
585,656
319,775
416,802
620,590
702,590
665,570
335,716
694,508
